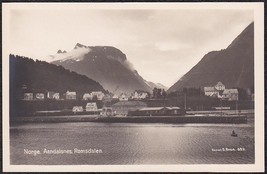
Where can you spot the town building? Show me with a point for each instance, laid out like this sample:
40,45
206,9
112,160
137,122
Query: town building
77,109
211,91
107,98
220,86
123,97
123,107
91,107
139,95
28,96
70,95
107,112
115,96
98,94
39,96
230,94
215,91
219,91
87,96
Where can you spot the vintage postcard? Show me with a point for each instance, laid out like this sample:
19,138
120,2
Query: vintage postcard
158,87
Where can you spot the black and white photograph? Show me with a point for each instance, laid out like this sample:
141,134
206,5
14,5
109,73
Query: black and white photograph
160,87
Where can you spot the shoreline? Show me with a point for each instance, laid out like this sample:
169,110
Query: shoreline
224,119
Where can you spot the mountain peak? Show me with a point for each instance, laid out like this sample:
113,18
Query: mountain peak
244,37
105,64
60,52
78,45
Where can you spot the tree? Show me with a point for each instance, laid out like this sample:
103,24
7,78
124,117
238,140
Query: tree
163,93
94,98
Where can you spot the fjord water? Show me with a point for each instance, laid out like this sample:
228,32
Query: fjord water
131,143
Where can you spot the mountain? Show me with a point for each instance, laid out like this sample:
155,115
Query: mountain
156,85
105,64
233,66
40,76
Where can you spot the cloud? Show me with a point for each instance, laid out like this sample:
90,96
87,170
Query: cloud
75,54
161,44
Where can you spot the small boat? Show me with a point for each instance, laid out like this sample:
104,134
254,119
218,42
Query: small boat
234,134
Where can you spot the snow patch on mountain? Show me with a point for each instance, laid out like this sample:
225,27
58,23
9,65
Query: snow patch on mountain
76,54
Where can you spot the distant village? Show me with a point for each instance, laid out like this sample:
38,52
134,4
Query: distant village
125,104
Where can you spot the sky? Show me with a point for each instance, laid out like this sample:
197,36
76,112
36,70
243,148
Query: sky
162,45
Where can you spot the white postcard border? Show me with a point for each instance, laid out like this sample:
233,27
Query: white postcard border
259,90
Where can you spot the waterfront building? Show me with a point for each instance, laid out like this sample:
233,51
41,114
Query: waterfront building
123,107
70,95
91,107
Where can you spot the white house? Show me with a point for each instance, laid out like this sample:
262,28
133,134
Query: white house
230,94
219,86
215,91
123,97
87,96
139,95
115,96
77,109
211,91
98,94
91,107
70,95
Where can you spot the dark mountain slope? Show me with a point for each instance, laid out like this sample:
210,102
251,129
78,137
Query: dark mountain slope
42,76
233,66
